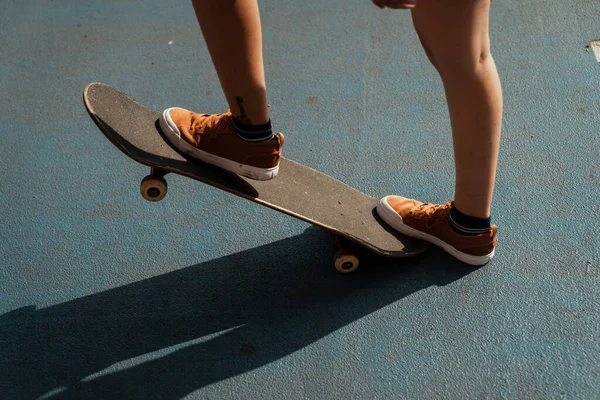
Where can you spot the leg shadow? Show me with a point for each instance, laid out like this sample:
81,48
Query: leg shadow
170,335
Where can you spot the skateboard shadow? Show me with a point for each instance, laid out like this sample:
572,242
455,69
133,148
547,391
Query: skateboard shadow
172,334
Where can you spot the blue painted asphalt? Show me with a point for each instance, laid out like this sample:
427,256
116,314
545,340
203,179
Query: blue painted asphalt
103,295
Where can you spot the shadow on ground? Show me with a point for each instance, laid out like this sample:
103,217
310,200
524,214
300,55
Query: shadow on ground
202,324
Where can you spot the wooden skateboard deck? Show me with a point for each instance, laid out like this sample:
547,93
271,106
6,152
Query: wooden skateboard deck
299,191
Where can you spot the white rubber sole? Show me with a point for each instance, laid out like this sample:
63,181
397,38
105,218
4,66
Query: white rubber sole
393,219
172,133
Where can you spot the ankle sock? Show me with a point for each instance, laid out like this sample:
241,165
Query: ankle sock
253,133
467,225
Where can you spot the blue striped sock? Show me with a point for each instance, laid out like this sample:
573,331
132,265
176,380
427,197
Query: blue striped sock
467,225
253,133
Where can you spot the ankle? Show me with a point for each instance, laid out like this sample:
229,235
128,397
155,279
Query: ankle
250,105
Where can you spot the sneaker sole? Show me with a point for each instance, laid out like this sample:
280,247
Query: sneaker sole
174,136
392,218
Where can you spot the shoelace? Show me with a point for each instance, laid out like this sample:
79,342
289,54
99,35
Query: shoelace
209,121
433,213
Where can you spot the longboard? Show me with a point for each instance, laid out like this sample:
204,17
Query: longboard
298,191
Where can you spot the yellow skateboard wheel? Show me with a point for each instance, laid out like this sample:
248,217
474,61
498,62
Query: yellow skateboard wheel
153,188
345,262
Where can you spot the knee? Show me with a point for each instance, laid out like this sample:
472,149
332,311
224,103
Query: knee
465,63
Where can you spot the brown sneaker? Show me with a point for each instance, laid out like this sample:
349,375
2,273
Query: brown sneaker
212,138
432,223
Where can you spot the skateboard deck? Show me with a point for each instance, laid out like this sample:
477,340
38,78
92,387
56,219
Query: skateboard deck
298,191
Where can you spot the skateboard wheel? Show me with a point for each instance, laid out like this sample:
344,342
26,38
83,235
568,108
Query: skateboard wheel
344,262
153,188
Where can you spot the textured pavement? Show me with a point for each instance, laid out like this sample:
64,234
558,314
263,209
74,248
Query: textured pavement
104,295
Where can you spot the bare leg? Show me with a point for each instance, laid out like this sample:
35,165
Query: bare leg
232,31
240,141
455,37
